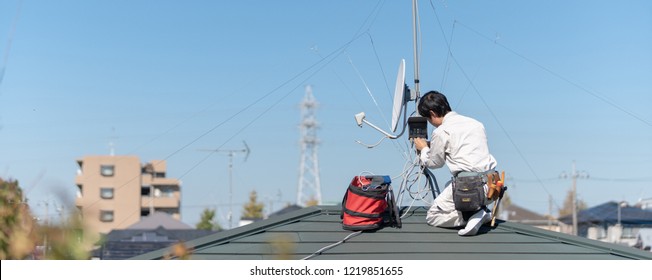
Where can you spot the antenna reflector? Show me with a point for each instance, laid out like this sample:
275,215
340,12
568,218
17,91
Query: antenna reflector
399,95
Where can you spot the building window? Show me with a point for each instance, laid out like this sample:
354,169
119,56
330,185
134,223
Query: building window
629,232
601,232
145,190
106,193
151,237
107,170
169,211
166,191
106,216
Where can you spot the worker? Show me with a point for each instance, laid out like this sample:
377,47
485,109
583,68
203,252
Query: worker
461,143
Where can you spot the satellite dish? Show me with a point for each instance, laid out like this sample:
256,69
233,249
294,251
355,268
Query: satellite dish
399,95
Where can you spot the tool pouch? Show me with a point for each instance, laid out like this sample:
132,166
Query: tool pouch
468,193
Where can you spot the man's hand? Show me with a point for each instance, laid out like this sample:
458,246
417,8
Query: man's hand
420,143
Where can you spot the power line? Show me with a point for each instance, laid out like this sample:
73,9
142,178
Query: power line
642,179
319,65
10,40
495,117
559,76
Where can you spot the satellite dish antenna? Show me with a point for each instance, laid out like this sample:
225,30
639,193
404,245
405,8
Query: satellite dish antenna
399,95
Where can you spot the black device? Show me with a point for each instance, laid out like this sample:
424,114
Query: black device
418,127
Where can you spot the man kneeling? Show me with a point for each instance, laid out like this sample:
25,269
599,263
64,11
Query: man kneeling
459,142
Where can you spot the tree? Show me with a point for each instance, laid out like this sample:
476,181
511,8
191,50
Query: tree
253,209
17,228
312,202
20,235
208,220
567,209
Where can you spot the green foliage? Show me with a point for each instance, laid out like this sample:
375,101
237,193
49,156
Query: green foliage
253,209
66,241
312,202
568,205
20,235
207,220
17,235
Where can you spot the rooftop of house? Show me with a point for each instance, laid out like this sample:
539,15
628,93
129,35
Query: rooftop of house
316,233
159,219
156,231
612,213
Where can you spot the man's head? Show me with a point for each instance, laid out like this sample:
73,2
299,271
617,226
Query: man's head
434,106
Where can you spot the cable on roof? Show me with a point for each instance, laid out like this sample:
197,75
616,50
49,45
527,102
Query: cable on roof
318,252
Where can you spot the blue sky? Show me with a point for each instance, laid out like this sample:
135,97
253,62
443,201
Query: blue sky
555,82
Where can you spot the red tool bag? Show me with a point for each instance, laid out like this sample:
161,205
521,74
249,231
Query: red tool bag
369,204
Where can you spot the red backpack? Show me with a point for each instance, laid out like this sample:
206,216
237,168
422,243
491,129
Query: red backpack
369,204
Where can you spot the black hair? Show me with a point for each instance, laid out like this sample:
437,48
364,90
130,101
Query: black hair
433,101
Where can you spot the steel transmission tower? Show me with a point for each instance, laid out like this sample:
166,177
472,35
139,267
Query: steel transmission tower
309,188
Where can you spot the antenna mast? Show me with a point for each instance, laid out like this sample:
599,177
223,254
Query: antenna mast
111,142
309,165
415,28
231,153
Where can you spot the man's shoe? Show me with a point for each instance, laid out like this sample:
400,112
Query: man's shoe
475,222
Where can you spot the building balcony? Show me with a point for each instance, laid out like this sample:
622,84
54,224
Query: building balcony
165,182
160,202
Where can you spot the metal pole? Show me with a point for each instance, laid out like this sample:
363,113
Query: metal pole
230,217
619,212
549,212
231,153
574,192
415,30
574,206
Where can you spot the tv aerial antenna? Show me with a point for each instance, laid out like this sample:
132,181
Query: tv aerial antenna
402,96
402,93
231,153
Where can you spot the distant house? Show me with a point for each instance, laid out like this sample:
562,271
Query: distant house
517,214
644,239
645,204
611,222
156,231
315,233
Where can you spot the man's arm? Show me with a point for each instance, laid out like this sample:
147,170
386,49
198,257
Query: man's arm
432,156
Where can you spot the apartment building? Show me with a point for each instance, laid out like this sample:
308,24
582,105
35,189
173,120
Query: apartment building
114,192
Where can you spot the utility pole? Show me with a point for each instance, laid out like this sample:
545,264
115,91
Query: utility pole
549,212
46,221
574,176
231,153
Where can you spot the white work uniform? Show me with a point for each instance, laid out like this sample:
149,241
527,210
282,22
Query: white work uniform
461,143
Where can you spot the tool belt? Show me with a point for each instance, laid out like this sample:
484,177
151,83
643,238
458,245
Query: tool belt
468,190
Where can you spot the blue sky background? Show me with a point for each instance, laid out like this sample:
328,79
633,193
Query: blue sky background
555,82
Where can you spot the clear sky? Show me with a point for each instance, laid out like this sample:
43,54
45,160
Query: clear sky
554,82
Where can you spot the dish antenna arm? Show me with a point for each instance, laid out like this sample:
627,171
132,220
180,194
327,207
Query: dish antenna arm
360,118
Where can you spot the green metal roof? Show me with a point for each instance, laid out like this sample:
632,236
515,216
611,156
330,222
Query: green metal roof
305,232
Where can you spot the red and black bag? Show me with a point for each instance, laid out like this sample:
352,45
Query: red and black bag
369,204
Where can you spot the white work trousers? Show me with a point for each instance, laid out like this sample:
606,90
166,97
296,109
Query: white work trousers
442,213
